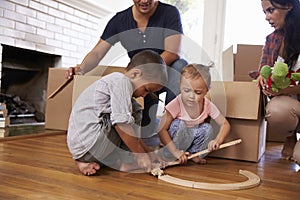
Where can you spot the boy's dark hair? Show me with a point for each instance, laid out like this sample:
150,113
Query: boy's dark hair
151,64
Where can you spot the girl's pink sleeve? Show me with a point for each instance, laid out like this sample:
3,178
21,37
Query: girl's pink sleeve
173,107
214,111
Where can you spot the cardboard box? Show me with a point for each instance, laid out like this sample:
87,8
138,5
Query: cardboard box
59,107
238,65
228,64
241,103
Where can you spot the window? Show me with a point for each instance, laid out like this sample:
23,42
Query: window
245,23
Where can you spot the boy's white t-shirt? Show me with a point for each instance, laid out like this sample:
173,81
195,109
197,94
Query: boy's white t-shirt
111,94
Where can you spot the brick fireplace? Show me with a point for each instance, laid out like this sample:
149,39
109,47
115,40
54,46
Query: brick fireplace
38,34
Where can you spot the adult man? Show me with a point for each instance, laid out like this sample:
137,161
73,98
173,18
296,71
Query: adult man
148,24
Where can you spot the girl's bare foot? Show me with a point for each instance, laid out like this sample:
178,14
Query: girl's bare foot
288,147
198,160
87,168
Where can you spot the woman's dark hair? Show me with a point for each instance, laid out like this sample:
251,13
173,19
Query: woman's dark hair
291,30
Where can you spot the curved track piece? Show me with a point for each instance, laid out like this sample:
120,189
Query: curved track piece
253,180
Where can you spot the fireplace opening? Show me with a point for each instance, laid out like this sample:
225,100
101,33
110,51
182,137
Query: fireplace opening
24,77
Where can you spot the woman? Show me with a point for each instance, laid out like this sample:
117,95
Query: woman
283,109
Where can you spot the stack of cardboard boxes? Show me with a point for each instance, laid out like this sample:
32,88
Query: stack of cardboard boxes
4,121
237,65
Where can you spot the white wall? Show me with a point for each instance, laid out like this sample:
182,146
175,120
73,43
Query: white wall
245,23
49,26
213,34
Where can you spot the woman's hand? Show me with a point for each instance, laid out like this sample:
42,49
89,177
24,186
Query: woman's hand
262,82
290,90
269,92
73,71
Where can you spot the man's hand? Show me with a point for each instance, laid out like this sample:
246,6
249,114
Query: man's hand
73,71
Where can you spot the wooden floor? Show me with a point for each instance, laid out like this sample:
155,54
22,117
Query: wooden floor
41,167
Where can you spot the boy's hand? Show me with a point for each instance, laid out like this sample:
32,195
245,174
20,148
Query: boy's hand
143,161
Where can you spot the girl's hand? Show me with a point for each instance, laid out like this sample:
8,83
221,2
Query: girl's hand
182,156
213,145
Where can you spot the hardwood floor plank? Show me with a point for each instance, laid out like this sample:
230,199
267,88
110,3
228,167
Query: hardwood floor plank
42,168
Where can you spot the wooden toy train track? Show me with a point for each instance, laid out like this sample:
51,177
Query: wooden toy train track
253,179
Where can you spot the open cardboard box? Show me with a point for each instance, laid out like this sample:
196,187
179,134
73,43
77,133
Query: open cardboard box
242,104
237,65
59,107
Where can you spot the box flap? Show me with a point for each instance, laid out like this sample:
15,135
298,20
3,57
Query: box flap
102,70
55,117
228,64
239,100
247,58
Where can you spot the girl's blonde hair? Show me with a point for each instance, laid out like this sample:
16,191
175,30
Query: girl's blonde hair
195,71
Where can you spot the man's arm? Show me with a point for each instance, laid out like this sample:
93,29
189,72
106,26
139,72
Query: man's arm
172,48
91,60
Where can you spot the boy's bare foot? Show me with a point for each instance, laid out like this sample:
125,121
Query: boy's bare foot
87,168
198,160
288,147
